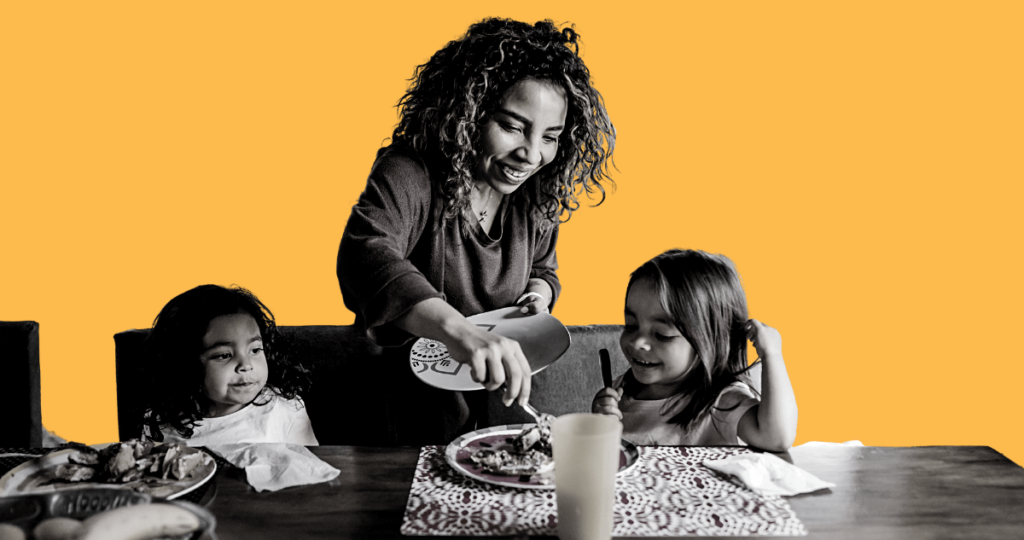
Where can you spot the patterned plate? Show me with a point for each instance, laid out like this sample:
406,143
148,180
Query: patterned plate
542,338
458,453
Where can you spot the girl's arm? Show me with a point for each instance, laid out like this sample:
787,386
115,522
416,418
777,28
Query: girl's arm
771,425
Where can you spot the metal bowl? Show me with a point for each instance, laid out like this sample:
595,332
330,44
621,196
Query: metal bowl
26,511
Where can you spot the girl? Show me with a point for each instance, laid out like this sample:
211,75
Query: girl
499,134
217,376
686,338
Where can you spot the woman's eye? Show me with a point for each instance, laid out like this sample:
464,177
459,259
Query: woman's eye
509,127
257,350
222,356
550,140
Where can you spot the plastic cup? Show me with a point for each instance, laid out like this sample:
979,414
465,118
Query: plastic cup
586,451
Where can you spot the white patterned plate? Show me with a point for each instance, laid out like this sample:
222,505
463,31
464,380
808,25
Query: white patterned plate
542,338
458,453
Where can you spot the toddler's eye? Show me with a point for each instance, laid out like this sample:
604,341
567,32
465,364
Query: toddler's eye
663,337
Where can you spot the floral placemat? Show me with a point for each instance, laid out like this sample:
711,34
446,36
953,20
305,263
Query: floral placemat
668,493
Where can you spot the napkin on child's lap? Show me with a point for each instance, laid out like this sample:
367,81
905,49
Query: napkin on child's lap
274,466
766,474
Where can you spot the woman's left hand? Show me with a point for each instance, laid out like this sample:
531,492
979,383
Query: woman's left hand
532,303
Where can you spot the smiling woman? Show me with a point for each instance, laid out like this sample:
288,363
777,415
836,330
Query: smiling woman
498,135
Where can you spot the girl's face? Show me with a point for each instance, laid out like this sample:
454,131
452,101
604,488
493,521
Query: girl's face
521,137
657,351
236,368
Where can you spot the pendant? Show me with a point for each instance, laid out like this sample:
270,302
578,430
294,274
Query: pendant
483,215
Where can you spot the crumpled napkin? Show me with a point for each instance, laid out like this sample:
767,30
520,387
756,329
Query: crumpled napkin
274,466
766,474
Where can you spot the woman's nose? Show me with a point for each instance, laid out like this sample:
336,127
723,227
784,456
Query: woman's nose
529,151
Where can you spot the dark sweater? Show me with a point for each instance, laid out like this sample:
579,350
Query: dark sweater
395,253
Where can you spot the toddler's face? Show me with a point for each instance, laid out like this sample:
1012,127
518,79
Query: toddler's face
657,351
236,368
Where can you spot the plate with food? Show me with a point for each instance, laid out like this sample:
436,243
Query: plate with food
517,456
163,471
542,338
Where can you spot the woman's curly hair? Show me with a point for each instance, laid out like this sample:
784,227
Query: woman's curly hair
176,396
454,92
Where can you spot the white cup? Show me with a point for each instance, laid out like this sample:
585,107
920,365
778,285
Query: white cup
586,451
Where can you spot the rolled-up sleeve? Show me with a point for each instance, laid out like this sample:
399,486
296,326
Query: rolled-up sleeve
378,281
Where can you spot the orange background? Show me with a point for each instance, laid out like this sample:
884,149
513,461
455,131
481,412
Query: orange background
861,163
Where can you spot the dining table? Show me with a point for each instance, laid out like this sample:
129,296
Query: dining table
880,492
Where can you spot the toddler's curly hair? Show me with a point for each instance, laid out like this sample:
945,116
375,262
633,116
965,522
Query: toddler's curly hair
175,392
465,81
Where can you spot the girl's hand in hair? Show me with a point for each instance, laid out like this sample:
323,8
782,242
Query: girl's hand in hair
767,340
607,402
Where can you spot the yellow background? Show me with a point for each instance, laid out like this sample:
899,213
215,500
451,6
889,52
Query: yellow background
861,162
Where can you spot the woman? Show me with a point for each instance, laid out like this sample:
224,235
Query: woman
499,133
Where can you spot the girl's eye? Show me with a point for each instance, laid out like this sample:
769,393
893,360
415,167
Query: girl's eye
663,337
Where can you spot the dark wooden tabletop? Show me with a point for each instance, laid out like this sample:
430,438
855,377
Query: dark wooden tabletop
905,493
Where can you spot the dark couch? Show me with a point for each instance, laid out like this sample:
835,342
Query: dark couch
19,390
346,404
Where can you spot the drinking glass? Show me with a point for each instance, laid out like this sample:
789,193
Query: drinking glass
586,451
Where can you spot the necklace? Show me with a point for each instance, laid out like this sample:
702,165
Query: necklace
483,213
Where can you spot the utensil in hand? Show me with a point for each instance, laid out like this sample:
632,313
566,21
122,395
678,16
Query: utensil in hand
539,417
606,367
586,451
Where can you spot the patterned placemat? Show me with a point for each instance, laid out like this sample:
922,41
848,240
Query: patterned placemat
668,493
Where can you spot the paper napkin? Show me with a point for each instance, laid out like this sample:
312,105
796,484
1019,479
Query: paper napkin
767,474
274,466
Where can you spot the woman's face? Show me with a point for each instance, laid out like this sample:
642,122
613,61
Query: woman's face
521,136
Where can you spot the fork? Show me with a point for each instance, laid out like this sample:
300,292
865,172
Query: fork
540,418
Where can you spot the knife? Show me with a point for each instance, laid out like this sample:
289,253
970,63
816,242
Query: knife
606,367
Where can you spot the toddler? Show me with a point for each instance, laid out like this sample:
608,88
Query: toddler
217,376
685,337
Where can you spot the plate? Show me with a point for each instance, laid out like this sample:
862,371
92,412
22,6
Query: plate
32,477
542,338
458,453
27,511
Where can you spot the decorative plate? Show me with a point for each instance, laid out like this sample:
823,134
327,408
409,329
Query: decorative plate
542,338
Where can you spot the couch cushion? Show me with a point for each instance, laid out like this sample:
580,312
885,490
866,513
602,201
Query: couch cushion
568,385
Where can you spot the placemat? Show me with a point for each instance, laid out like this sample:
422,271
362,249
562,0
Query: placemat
668,493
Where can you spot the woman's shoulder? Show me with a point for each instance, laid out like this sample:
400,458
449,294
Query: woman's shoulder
398,163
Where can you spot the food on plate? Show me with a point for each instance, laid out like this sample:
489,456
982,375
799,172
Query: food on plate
130,461
57,528
138,522
528,453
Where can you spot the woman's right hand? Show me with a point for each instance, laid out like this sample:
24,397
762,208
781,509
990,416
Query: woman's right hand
607,402
495,360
